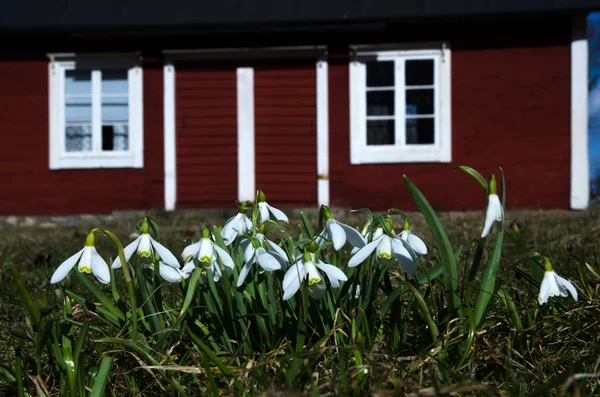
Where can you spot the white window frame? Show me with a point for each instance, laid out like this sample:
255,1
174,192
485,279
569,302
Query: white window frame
441,149
96,158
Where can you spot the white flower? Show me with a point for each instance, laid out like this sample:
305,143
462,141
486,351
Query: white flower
306,268
235,226
259,255
338,233
276,250
169,273
204,253
413,243
386,249
264,209
493,214
146,247
555,285
88,261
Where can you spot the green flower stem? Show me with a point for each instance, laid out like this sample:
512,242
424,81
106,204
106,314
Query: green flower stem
433,329
124,266
473,271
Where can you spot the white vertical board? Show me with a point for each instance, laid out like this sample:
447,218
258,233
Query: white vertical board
245,122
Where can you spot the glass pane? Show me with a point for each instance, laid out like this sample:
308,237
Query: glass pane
420,102
380,103
78,138
419,72
380,73
78,82
115,137
114,82
420,131
115,109
380,132
78,110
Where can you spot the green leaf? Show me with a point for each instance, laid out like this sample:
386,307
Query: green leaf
478,177
27,300
441,238
431,274
102,377
489,280
307,225
191,290
106,302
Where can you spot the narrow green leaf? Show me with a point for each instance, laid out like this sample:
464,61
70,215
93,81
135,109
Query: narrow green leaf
433,329
444,246
431,274
19,370
307,225
489,280
212,355
476,175
106,302
26,298
512,310
102,377
69,364
191,290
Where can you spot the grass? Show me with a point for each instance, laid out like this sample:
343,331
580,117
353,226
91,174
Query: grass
533,350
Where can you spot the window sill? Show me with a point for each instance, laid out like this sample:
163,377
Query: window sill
394,155
96,161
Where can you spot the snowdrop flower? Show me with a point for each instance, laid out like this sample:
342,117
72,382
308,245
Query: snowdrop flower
386,250
264,208
256,254
88,261
236,226
413,243
169,273
494,212
276,250
306,268
554,285
338,233
204,253
146,248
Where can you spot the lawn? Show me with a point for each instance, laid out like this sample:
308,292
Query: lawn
400,336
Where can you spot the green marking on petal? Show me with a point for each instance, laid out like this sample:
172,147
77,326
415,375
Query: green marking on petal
314,280
85,269
385,255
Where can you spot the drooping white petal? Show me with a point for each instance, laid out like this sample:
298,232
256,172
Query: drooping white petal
191,250
249,253
363,253
277,249
247,224
414,241
266,260
337,234
244,273
229,231
317,291
296,271
224,255
85,263
566,284
61,271
263,211
128,251
278,214
99,267
169,274
165,254
407,263
187,269
545,288
332,271
353,235
494,213
216,272
291,289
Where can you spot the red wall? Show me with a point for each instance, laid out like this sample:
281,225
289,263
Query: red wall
206,134
285,101
510,109
29,187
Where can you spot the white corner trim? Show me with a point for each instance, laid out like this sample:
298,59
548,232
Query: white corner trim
245,122
580,181
322,133
169,136
446,106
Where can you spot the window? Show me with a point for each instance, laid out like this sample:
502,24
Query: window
95,113
400,106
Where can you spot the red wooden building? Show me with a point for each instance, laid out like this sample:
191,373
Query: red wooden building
135,105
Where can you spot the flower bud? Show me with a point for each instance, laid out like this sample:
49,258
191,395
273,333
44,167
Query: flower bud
205,232
306,257
492,185
90,240
406,225
145,226
326,212
261,197
547,264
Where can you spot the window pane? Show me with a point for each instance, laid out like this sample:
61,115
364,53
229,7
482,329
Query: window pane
78,82
115,109
380,132
419,102
114,82
78,110
78,138
380,73
380,103
420,131
115,137
419,72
